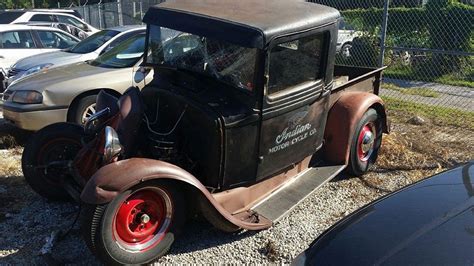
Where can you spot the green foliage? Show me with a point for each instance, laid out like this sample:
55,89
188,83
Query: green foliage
440,25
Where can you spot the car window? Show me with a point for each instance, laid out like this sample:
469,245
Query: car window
126,54
119,40
93,42
9,16
17,40
42,17
56,40
295,62
72,21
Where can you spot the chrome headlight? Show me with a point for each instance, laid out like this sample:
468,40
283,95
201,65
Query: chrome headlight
36,68
27,97
112,146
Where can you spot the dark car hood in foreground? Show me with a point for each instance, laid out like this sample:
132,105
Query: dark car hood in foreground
428,223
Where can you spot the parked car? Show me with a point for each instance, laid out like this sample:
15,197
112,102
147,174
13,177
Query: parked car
88,49
346,35
20,41
428,223
241,121
73,30
68,93
21,16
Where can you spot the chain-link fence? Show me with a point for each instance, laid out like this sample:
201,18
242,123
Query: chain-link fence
118,13
427,45
428,48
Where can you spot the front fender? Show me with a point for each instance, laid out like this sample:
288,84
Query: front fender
342,120
114,178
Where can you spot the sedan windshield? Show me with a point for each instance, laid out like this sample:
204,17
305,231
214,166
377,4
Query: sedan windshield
93,42
124,55
227,62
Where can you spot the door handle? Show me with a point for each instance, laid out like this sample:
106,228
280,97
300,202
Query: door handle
2,57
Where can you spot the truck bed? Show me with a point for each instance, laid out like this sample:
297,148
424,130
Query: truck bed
350,78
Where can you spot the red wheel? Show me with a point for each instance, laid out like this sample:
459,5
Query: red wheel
143,219
366,141
138,226
365,144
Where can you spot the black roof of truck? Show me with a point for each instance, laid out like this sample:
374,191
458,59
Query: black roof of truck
250,23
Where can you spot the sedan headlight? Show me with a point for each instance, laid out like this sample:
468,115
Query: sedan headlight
36,68
27,97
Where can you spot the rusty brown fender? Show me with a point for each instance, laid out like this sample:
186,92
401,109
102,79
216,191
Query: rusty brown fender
112,179
342,120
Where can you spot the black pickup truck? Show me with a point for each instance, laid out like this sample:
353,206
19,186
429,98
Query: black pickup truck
246,116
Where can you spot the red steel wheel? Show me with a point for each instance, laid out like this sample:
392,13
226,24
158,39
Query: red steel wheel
143,219
138,226
366,143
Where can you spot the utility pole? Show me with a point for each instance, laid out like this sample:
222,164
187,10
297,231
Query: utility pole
32,3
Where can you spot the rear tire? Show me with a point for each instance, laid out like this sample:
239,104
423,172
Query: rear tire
56,142
137,227
83,109
366,143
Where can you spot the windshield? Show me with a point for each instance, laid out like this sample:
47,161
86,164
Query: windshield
124,55
227,62
93,42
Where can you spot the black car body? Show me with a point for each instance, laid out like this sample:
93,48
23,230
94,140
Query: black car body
427,223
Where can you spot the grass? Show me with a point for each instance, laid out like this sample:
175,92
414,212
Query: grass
425,92
437,114
407,73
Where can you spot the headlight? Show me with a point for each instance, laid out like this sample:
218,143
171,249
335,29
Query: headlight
27,97
112,147
35,69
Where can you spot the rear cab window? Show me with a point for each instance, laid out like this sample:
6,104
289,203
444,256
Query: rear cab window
17,40
295,63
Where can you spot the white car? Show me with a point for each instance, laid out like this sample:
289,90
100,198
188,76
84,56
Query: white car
88,49
346,35
20,41
24,16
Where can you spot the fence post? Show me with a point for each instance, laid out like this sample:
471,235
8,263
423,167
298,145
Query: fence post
141,12
119,11
384,32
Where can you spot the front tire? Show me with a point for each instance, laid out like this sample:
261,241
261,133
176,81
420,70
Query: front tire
56,142
83,109
137,227
366,143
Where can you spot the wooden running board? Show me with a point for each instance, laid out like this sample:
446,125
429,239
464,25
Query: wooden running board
283,200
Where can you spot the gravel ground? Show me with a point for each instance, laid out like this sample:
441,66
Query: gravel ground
27,220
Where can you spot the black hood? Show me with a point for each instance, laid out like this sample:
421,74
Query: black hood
428,223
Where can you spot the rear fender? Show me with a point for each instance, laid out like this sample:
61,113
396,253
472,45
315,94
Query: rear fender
342,120
112,179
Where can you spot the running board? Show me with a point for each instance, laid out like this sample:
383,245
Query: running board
283,200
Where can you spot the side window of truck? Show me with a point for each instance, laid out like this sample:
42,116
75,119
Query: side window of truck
295,62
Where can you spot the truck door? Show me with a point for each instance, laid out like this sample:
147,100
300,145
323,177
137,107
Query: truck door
295,104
